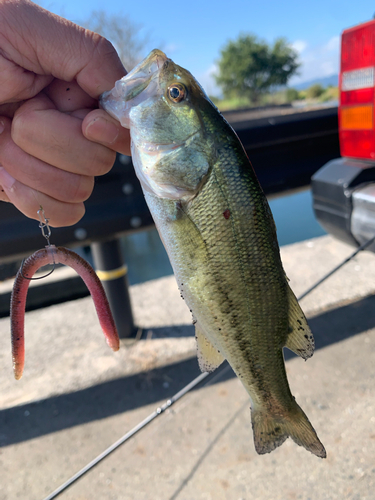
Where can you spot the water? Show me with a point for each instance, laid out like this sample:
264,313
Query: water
294,218
145,256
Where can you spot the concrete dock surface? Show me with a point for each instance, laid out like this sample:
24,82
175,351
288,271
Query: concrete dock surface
77,397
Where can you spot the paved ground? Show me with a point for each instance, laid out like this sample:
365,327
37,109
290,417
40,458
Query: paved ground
76,398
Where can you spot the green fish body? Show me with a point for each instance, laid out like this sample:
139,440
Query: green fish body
219,233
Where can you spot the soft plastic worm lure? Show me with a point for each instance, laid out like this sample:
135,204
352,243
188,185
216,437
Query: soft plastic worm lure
55,255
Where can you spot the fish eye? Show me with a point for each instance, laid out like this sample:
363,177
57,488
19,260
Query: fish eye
176,92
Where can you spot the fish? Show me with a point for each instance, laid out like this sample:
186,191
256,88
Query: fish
218,230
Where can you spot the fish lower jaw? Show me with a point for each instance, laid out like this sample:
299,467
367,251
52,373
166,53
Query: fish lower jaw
166,191
155,149
145,160
161,190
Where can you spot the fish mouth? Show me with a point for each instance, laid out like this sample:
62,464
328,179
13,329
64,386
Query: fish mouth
127,91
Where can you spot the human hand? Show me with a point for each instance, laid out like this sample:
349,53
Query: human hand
53,137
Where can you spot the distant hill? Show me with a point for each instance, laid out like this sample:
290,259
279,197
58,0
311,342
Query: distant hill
324,82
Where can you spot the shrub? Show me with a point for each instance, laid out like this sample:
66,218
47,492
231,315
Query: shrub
314,91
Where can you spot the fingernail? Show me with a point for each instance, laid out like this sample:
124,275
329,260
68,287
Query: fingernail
6,180
2,127
103,131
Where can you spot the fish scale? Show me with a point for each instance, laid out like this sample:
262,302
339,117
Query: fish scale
219,233
255,310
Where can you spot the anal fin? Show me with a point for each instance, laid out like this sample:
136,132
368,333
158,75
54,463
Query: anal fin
209,358
300,339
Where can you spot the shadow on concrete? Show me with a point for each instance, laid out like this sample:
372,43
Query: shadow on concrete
117,396
341,323
35,419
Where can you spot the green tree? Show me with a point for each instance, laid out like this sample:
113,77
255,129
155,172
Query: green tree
314,91
291,95
250,67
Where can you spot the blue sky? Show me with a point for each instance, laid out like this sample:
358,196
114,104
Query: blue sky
192,32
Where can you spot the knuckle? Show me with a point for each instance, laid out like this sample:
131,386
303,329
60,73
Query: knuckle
104,47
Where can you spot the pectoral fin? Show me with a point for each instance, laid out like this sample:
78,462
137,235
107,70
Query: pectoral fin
209,357
300,339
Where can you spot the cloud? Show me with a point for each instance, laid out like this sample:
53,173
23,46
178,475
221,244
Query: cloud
208,82
299,45
317,61
333,44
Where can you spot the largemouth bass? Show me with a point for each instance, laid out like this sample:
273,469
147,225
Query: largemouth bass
219,233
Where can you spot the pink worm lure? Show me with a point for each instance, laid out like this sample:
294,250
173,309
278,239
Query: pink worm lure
57,255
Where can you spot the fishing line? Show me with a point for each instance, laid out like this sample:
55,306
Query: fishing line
180,394
46,232
359,249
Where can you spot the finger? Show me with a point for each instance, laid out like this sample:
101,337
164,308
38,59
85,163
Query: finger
57,139
58,47
9,109
28,201
38,175
68,96
16,84
100,127
3,195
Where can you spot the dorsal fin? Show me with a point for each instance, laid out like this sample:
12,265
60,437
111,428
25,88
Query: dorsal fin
300,339
209,357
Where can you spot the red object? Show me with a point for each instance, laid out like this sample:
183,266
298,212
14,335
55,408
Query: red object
357,96
55,255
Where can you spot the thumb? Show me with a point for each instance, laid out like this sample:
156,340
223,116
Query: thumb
47,44
99,126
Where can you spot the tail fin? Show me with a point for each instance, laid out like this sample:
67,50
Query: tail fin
270,431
